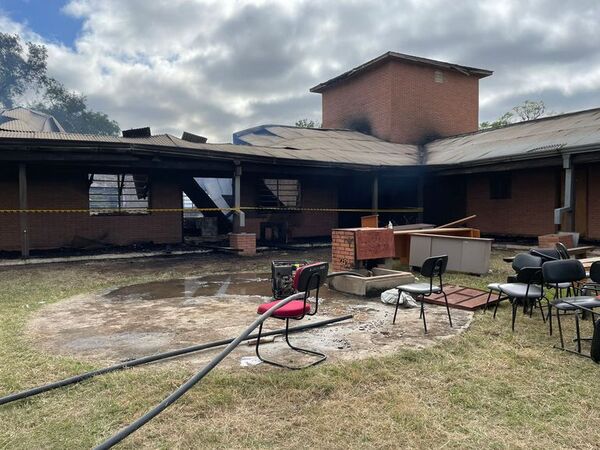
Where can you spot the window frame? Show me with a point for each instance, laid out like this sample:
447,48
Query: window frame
122,185
265,191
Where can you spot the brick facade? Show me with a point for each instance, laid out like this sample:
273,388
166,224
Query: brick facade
403,103
529,211
343,250
351,245
68,189
246,242
593,202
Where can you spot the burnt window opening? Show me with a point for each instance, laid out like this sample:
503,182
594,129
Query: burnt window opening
279,193
118,194
500,186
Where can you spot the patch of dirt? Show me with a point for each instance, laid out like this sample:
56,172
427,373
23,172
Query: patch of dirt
138,320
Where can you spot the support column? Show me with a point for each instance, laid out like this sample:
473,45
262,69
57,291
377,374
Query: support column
23,222
375,194
569,195
239,221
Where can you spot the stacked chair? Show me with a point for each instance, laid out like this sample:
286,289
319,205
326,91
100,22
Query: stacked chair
569,271
544,270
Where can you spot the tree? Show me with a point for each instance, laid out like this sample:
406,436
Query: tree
21,72
307,123
71,111
528,110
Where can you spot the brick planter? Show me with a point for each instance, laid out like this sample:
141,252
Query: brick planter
350,245
246,242
550,240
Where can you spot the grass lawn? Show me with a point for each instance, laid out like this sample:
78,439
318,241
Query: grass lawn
487,388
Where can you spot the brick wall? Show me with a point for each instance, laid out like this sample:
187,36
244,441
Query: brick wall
343,251
9,199
593,202
403,103
68,189
246,242
529,211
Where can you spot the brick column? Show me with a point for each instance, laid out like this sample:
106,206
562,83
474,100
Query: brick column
343,251
246,242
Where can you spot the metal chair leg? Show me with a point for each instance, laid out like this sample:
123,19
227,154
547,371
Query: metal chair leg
560,333
397,304
423,315
487,301
496,308
447,309
577,332
322,356
514,313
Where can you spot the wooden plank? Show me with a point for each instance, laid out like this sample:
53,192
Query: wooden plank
460,297
458,222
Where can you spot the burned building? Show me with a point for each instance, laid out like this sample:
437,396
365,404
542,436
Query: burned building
400,136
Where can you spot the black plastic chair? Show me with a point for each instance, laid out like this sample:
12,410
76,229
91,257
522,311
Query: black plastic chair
521,260
547,254
306,278
594,275
432,267
567,271
528,289
562,251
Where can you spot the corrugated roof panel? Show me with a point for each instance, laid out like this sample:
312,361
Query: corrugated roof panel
523,139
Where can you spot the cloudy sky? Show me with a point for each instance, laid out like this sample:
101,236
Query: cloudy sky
216,66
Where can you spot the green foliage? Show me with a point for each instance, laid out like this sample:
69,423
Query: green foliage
528,110
21,72
502,121
307,123
71,110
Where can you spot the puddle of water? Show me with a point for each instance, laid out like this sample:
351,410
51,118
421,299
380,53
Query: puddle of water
207,286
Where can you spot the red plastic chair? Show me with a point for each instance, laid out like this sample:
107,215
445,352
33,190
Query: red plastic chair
307,278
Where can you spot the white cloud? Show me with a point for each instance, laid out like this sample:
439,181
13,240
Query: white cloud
213,67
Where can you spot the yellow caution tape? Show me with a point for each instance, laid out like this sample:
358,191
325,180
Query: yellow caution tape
243,208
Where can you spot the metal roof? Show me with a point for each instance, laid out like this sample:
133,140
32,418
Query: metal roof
24,119
479,73
573,132
330,144
334,149
524,140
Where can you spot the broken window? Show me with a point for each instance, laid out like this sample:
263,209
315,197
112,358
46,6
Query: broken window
500,186
118,194
279,193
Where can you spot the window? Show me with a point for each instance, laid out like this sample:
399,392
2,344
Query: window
118,194
438,76
279,193
500,186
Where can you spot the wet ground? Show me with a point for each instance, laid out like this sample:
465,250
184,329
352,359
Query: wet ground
137,320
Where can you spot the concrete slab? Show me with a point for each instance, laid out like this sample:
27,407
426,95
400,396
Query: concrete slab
138,320
373,286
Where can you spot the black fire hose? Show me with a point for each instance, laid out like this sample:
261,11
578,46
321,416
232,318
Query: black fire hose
157,357
195,379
